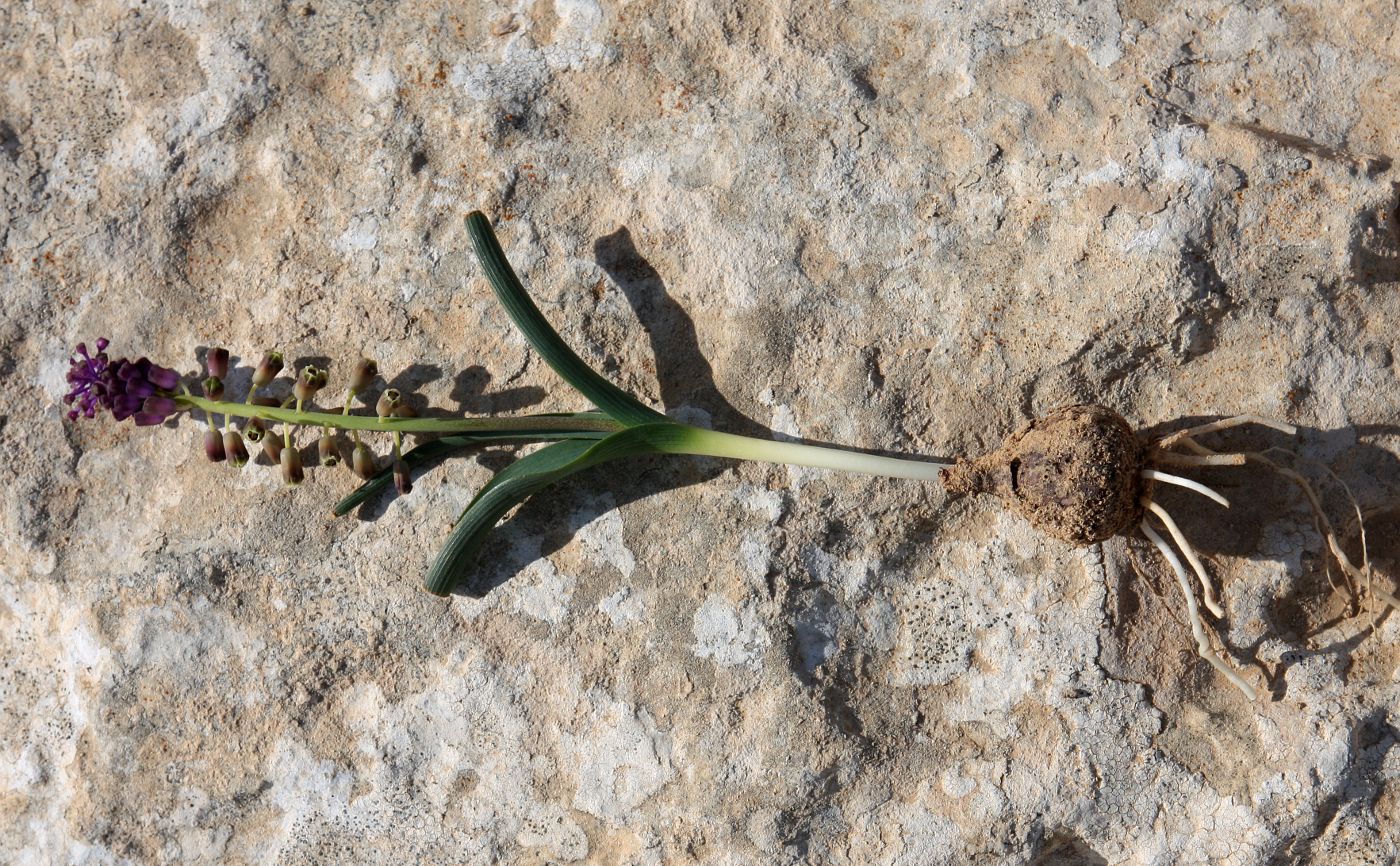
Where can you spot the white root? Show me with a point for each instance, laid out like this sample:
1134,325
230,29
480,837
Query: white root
1211,604
1198,630
1386,597
1365,572
1226,424
1197,486
1355,576
1171,458
1358,578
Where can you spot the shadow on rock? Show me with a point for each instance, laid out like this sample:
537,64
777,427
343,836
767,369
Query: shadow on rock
548,521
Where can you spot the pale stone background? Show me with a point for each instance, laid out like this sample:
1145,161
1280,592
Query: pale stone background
900,226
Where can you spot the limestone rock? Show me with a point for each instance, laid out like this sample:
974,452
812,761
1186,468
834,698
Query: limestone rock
897,226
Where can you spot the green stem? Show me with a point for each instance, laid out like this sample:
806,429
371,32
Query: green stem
350,398
554,423
287,431
712,443
678,438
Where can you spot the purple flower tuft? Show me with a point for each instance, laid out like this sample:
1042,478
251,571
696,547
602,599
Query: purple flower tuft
123,387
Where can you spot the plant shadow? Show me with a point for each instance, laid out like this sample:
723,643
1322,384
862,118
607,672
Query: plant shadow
470,394
683,374
545,524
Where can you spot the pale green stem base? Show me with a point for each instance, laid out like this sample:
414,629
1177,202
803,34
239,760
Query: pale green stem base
712,443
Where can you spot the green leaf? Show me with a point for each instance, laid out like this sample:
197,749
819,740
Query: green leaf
528,476
447,445
620,405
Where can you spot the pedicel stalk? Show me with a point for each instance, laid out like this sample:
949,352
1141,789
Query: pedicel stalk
1080,474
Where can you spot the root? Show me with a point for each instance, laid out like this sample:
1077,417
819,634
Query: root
1197,486
1207,593
1364,592
1226,424
1386,597
1171,458
1358,578
1193,614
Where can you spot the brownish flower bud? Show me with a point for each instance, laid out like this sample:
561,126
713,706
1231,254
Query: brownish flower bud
235,449
214,388
363,377
402,483
309,381
267,369
214,445
328,449
292,474
389,401
255,430
216,362
363,462
272,447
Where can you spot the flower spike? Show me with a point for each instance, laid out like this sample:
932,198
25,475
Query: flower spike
123,387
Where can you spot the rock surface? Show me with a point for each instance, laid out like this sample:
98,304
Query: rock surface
903,227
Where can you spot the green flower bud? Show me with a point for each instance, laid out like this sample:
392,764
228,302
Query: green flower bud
267,369
292,474
235,449
363,377
328,449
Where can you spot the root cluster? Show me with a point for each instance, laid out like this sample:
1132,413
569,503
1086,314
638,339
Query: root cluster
1081,475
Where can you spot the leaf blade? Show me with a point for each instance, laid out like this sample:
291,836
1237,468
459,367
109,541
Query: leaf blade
616,402
521,480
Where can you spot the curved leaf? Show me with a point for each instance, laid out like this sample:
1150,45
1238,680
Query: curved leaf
620,405
524,478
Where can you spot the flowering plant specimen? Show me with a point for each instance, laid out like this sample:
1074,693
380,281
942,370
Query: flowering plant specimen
1081,474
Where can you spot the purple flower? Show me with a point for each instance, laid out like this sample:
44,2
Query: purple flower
128,389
